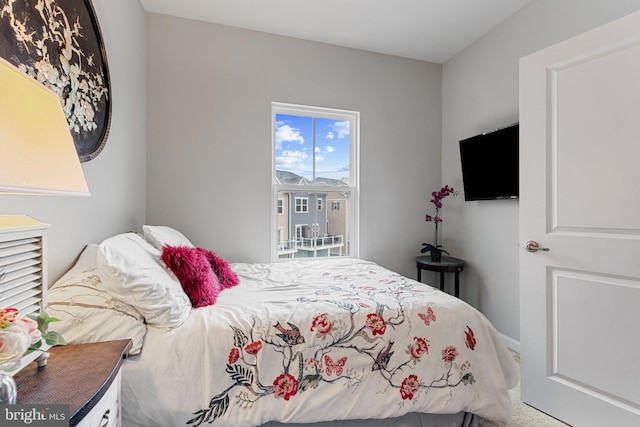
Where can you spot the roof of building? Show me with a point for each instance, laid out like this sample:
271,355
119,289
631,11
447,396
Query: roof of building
286,177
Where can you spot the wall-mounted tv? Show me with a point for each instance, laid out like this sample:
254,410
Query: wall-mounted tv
490,164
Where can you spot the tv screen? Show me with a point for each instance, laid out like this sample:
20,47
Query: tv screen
490,164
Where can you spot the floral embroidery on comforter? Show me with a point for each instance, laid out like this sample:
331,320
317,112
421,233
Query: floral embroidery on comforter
305,342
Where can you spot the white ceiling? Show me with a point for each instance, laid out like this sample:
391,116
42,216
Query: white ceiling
430,30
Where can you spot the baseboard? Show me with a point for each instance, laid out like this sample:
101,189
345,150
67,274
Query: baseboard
511,343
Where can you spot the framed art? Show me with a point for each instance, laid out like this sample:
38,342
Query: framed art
59,43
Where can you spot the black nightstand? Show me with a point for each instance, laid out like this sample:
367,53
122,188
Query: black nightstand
446,264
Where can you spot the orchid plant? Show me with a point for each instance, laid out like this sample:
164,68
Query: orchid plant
435,249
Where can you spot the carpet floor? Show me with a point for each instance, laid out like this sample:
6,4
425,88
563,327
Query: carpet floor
524,415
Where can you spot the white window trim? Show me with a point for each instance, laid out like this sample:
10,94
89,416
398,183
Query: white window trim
299,229
354,178
302,205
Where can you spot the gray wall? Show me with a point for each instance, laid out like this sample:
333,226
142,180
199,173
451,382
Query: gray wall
116,178
480,93
209,95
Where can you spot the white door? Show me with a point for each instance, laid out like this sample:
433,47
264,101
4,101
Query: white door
580,197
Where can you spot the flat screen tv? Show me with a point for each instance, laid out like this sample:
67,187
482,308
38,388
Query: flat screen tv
490,164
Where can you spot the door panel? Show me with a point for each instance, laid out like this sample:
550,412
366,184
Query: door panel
580,196
583,338
599,137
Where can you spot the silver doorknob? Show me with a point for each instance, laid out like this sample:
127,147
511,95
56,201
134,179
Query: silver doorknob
533,246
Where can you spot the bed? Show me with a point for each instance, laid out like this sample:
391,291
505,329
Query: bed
331,342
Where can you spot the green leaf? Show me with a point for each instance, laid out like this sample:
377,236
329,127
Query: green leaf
43,320
53,338
429,247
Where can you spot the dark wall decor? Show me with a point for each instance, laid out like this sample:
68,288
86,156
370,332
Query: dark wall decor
59,43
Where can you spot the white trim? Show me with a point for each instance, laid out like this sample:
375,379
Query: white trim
511,343
304,207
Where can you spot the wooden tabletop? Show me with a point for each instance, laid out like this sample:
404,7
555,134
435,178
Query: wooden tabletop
75,375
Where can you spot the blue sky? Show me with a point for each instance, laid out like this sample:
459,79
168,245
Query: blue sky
295,152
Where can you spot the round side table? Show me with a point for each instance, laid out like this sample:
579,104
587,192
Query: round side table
446,264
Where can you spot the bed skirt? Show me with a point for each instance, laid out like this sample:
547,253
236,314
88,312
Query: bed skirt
461,419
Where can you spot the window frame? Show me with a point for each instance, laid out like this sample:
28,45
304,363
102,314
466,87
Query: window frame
304,205
354,173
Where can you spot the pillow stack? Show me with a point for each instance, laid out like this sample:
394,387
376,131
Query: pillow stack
130,281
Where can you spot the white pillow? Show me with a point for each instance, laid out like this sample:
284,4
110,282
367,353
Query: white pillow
161,235
87,312
134,273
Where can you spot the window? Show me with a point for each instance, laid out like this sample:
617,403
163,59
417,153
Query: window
315,159
302,204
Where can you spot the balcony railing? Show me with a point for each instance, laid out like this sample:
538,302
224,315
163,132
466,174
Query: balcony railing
321,242
310,244
287,247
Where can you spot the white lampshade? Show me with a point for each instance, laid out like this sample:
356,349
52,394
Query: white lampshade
37,152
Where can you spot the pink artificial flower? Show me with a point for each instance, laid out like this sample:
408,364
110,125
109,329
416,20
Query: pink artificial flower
30,327
7,316
13,344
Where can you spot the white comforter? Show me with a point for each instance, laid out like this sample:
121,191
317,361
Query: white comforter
321,340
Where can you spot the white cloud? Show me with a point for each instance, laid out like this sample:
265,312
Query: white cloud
291,160
342,128
330,135
286,133
319,157
329,149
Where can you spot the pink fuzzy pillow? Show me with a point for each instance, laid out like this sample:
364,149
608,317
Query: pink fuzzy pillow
226,275
193,270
